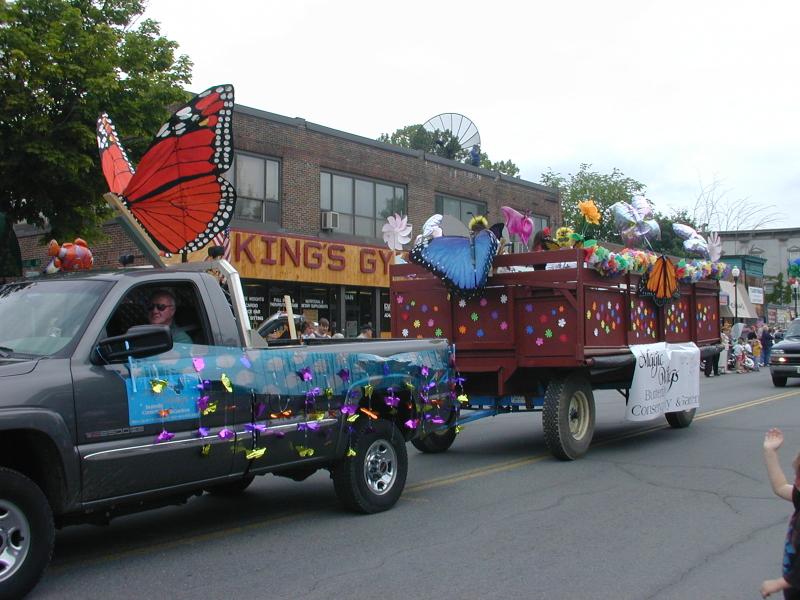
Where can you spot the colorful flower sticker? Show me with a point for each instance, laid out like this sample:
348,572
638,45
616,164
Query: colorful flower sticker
462,329
588,315
438,332
462,303
529,308
494,314
474,316
596,333
503,325
430,322
548,333
416,323
553,312
399,299
404,332
424,308
479,333
529,329
435,308
563,337
562,322
404,316
503,298
542,318
483,302
561,308
539,341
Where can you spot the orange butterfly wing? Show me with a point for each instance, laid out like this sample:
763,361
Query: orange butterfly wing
662,280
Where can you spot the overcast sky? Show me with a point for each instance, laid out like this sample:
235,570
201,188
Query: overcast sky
676,94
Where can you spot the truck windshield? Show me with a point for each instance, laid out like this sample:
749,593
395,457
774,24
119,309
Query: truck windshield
43,318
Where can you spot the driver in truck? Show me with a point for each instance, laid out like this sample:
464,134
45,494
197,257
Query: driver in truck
161,311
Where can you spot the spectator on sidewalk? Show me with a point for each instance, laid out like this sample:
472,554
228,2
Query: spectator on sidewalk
767,339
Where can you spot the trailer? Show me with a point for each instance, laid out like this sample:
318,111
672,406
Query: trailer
542,336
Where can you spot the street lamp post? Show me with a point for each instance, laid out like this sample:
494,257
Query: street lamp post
795,287
735,272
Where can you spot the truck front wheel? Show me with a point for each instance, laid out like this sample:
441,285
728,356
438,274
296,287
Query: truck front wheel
26,534
373,479
568,417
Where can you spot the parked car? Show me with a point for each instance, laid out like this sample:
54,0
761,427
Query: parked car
784,360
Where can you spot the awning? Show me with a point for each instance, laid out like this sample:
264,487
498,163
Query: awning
745,309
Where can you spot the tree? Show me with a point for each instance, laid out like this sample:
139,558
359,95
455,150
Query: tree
62,62
670,243
605,189
719,212
781,292
444,144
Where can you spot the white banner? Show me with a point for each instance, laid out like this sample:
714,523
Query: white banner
666,378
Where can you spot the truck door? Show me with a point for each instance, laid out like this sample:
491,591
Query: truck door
141,425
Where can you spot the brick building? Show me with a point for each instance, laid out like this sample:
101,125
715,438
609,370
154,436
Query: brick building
310,208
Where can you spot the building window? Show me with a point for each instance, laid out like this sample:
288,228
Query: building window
363,204
257,183
461,209
539,223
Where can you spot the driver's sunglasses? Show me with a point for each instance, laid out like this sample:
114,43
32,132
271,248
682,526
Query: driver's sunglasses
160,307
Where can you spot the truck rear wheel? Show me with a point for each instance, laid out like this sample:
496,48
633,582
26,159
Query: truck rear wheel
568,417
680,419
436,442
373,479
26,534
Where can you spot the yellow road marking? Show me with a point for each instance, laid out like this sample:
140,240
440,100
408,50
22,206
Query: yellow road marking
410,489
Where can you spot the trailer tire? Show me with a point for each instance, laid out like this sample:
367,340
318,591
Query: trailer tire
435,442
568,417
680,419
27,533
373,479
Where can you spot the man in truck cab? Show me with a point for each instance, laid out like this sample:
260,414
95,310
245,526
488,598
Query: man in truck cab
161,311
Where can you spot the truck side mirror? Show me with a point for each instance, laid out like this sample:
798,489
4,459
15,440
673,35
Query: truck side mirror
139,341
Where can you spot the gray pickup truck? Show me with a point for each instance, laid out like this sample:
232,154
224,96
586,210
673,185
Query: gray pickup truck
103,414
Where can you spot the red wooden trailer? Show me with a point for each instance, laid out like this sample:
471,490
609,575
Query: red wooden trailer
539,339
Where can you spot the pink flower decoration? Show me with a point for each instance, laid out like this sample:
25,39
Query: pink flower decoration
539,341
399,299
503,325
484,302
430,322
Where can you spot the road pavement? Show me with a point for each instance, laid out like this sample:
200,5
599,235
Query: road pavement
650,512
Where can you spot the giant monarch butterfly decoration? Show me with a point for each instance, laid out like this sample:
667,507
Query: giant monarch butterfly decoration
661,282
178,193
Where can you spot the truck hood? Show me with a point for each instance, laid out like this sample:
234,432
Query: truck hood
16,366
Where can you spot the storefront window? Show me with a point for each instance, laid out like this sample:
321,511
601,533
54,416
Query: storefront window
358,310
461,209
257,182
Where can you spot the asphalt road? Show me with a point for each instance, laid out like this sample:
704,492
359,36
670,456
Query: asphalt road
650,512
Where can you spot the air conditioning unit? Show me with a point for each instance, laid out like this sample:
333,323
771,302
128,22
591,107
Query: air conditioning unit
330,220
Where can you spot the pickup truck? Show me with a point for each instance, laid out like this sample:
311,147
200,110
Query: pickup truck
103,414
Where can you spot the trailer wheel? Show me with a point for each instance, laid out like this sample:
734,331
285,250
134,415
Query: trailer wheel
373,479
568,417
680,419
26,534
436,442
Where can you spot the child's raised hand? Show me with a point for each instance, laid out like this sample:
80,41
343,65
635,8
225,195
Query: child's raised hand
773,439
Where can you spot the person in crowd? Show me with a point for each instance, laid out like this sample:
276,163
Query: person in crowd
789,582
161,311
307,330
767,339
738,355
756,345
366,331
323,329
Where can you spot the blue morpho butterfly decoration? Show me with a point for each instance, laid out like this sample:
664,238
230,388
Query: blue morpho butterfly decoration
462,263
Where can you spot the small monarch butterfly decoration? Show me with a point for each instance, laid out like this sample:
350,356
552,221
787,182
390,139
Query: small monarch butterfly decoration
661,282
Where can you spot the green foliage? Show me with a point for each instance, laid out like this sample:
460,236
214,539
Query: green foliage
781,291
606,189
444,144
669,242
62,62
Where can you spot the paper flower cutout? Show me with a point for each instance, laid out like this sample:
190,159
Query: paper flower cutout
164,436
396,232
255,453
199,364
158,385
226,382
305,374
202,432
225,434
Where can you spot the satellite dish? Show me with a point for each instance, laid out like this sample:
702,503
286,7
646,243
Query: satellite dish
464,130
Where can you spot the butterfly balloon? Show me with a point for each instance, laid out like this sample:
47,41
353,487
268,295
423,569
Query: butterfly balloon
634,221
178,192
518,224
463,263
693,242
714,246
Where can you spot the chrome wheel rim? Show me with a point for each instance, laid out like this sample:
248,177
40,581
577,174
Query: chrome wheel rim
380,467
578,415
15,539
